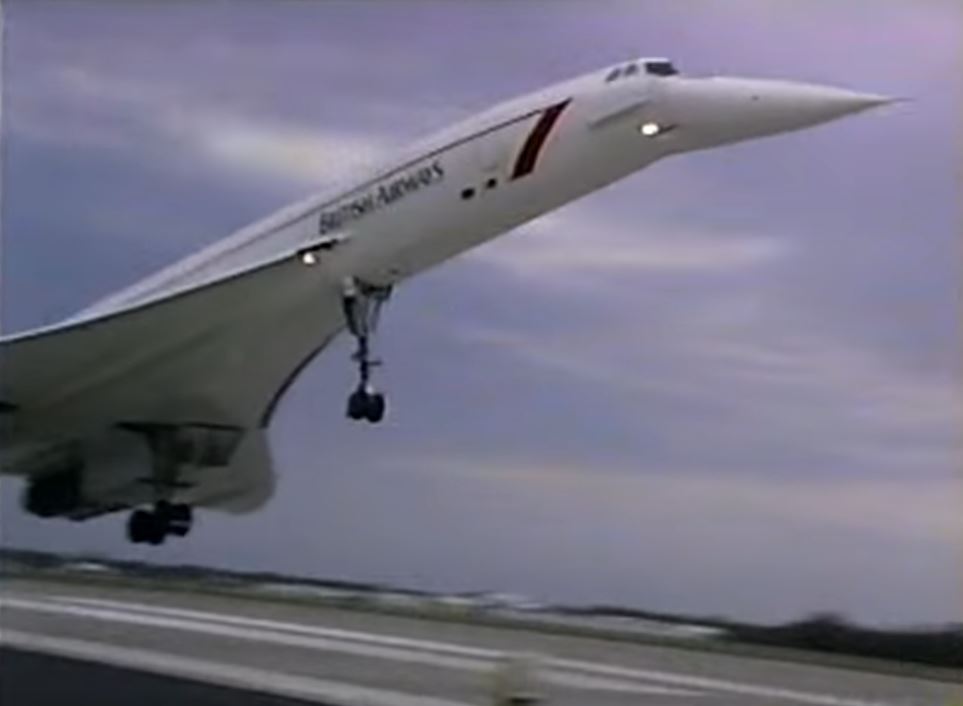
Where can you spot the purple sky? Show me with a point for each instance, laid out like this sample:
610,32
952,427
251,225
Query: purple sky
729,384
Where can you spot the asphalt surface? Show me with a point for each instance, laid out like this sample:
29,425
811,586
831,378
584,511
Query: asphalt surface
36,679
284,650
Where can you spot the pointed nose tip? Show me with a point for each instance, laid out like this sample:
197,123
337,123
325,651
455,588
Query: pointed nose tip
786,106
720,110
835,102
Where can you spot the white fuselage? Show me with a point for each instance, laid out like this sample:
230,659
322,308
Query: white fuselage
593,141
390,231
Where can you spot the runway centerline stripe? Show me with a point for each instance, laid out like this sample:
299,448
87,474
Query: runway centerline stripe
527,158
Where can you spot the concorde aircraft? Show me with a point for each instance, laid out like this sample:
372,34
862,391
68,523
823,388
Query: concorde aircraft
157,398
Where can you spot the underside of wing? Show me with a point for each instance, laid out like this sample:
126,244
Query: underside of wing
168,400
221,354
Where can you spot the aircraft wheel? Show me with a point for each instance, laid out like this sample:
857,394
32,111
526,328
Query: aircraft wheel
363,404
182,513
179,520
141,526
375,408
157,528
357,404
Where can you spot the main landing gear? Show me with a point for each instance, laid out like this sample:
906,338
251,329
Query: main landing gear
168,446
361,304
153,526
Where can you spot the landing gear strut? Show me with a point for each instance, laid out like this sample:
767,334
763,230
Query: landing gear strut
153,526
361,304
165,518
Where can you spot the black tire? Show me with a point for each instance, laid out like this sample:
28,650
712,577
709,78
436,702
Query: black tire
357,404
156,529
139,526
182,512
376,407
180,520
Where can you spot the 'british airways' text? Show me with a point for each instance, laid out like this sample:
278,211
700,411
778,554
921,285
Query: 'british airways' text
378,198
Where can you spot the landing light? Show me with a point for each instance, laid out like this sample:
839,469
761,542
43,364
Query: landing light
309,258
650,129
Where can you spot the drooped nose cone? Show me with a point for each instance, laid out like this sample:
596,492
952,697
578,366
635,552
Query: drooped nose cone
714,111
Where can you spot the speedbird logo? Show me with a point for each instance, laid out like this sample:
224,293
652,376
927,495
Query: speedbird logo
376,199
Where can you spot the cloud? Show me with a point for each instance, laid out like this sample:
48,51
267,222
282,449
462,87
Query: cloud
754,380
580,243
290,152
886,507
180,125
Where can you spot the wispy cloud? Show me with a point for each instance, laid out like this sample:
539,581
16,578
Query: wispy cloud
757,382
291,152
228,137
581,242
896,507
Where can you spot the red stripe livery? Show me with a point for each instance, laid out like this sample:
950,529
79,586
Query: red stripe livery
525,163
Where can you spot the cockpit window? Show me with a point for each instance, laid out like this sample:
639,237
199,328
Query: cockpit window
660,68
657,67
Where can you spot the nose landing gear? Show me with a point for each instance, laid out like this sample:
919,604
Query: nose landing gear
361,304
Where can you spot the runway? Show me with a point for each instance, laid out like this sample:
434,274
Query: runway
44,680
280,650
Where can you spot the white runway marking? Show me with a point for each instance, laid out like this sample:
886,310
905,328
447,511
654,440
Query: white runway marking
260,680
295,636
569,673
316,630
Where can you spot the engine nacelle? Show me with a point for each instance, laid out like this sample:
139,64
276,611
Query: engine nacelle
205,445
213,466
54,494
108,472
118,466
